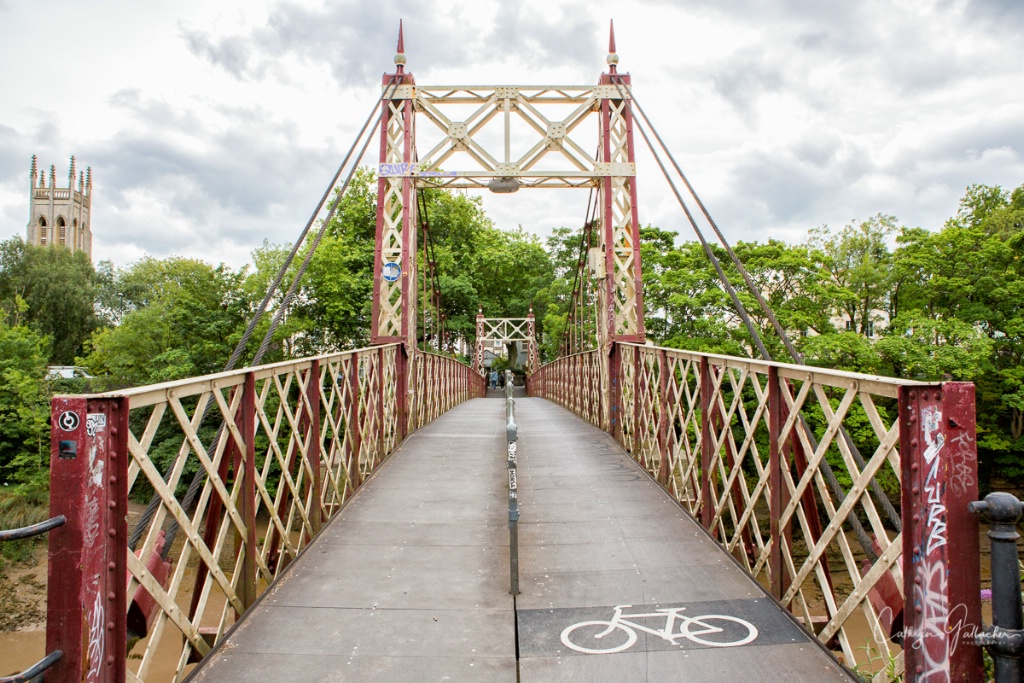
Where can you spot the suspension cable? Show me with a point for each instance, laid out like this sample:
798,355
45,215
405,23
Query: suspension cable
150,511
429,256
779,330
197,481
797,357
569,343
740,308
826,469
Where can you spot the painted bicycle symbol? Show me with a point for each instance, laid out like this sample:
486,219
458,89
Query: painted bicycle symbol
714,630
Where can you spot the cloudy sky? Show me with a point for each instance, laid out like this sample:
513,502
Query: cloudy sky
213,126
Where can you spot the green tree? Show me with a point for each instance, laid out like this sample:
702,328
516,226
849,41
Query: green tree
184,318
24,400
699,314
478,265
52,290
856,261
960,314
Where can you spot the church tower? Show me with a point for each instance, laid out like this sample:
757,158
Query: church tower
60,215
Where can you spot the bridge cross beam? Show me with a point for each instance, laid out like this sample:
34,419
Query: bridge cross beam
506,330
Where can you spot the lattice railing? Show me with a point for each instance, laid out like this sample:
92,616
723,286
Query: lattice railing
798,472
573,382
240,470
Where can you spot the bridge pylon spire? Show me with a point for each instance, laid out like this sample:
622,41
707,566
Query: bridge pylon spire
620,287
400,50
613,58
394,281
395,291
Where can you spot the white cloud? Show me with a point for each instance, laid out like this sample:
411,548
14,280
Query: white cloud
211,126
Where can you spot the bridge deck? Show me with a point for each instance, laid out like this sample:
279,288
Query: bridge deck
410,582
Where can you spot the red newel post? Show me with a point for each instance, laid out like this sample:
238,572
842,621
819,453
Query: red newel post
87,592
941,572
615,393
707,507
247,425
355,426
776,463
663,419
313,444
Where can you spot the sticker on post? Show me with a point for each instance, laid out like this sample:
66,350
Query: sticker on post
68,421
512,451
511,480
95,422
391,271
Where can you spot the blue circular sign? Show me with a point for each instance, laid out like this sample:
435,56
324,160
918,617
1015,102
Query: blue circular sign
391,271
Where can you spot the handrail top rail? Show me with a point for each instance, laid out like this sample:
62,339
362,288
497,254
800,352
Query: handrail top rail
227,378
878,384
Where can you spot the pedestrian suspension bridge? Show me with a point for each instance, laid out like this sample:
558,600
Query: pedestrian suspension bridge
662,515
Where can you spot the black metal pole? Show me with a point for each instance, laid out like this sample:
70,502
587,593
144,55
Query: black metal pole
1005,638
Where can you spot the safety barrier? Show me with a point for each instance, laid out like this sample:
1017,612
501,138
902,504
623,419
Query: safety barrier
1004,639
240,469
37,669
512,439
794,470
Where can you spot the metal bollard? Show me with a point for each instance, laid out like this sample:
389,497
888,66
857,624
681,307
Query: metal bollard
512,437
1005,638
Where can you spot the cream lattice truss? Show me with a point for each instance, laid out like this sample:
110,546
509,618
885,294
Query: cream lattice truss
494,333
510,137
538,133
504,138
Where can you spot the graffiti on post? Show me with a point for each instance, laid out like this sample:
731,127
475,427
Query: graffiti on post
931,591
961,476
94,653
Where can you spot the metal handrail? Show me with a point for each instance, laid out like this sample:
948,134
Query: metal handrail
32,530
1004,638
35,670
17,534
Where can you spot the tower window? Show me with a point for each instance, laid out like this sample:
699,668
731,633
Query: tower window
42,231
62,230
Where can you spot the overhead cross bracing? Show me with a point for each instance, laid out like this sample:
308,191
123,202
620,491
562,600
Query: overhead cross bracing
506,331
555,139
503,138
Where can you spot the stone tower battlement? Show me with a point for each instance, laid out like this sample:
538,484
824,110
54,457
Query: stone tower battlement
60,215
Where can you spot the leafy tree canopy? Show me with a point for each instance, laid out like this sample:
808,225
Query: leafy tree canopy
52,291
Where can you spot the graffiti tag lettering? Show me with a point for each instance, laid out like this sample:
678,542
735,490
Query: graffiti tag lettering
405,169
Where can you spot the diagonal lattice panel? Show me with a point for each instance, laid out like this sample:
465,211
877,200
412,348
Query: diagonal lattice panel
793,469
461,142
242,469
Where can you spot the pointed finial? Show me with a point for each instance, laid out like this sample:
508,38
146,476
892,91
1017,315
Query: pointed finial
400,52
88,180
71,173
53,175
613,59
42,178
81,182
34,167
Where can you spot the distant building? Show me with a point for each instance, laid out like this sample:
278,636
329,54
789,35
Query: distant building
60,215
